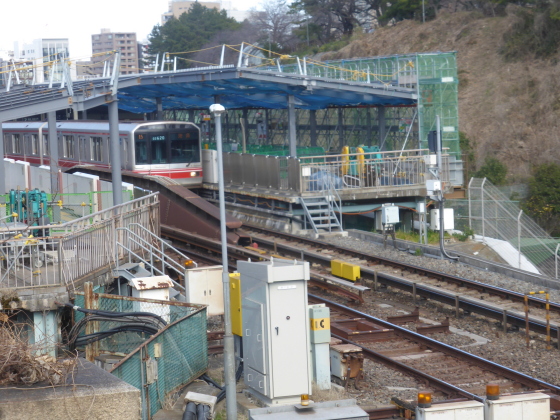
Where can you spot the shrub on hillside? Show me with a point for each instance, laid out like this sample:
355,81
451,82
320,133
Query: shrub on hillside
494,170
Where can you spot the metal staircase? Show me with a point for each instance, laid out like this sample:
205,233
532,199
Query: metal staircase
324,211
147,256
320,213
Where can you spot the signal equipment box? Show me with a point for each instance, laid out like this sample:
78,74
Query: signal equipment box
389,214
534,406
448,219
460,410
275,322
204,285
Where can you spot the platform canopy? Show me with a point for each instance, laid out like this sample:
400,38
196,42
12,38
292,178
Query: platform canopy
233,87
237,88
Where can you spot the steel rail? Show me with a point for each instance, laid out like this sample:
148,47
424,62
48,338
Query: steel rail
481,287
453,299
237,253
417,289
503,371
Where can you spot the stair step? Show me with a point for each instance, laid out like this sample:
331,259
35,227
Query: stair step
317,203
324,218
327,226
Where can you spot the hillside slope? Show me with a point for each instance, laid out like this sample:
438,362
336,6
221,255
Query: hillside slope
510,110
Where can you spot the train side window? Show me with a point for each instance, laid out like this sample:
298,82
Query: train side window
34,144
68,146
16,144
7,144
96,148
45,144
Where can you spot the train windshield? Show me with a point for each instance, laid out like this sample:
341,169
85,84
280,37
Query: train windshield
167,146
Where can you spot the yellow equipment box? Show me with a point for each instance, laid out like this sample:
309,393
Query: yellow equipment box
345,270
235,303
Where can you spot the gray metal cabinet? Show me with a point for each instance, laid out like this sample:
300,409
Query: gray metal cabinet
276,350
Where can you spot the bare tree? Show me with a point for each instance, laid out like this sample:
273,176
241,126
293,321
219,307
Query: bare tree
275,24
211,56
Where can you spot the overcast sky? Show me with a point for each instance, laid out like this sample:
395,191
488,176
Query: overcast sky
32,19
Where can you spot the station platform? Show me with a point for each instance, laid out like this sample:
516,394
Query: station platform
288,191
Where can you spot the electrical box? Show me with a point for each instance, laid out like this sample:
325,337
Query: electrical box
448,219
461,410
534,406
235,303
345,270
430,160
155,287
320,324
347,361
433,186
151,370
210,165
276,330
204,285
389,214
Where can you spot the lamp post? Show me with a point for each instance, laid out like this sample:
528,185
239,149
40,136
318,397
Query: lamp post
229,350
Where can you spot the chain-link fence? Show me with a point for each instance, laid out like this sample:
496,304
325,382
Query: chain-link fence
160,364
491,214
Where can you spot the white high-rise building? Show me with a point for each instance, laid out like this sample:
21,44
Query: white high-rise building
44,56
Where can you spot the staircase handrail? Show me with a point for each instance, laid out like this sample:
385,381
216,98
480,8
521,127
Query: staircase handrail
158,252
337,207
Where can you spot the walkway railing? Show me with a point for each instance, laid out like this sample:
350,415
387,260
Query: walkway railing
367,171
59,255
141,245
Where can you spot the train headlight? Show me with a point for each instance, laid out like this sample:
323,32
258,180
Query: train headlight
193,174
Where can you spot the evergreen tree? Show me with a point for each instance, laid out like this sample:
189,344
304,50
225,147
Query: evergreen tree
190,31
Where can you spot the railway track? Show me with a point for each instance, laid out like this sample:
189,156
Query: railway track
464,295
453,373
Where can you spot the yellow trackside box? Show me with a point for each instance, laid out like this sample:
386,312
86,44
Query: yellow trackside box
345,270
235,303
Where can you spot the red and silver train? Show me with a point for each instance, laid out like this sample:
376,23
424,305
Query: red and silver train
168,148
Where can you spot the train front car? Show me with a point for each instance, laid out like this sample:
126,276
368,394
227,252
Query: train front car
170,149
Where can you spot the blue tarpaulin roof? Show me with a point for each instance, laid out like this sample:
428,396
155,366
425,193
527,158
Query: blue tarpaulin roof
249,88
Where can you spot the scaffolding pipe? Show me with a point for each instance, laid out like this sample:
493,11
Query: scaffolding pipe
556,261
441,200
518,238
482,207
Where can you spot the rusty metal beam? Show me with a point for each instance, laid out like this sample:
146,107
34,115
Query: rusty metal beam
442,327
414,316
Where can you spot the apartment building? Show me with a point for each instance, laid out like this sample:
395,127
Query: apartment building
104,43
178,7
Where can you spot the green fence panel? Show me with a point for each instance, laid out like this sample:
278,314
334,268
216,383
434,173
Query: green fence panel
183,345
